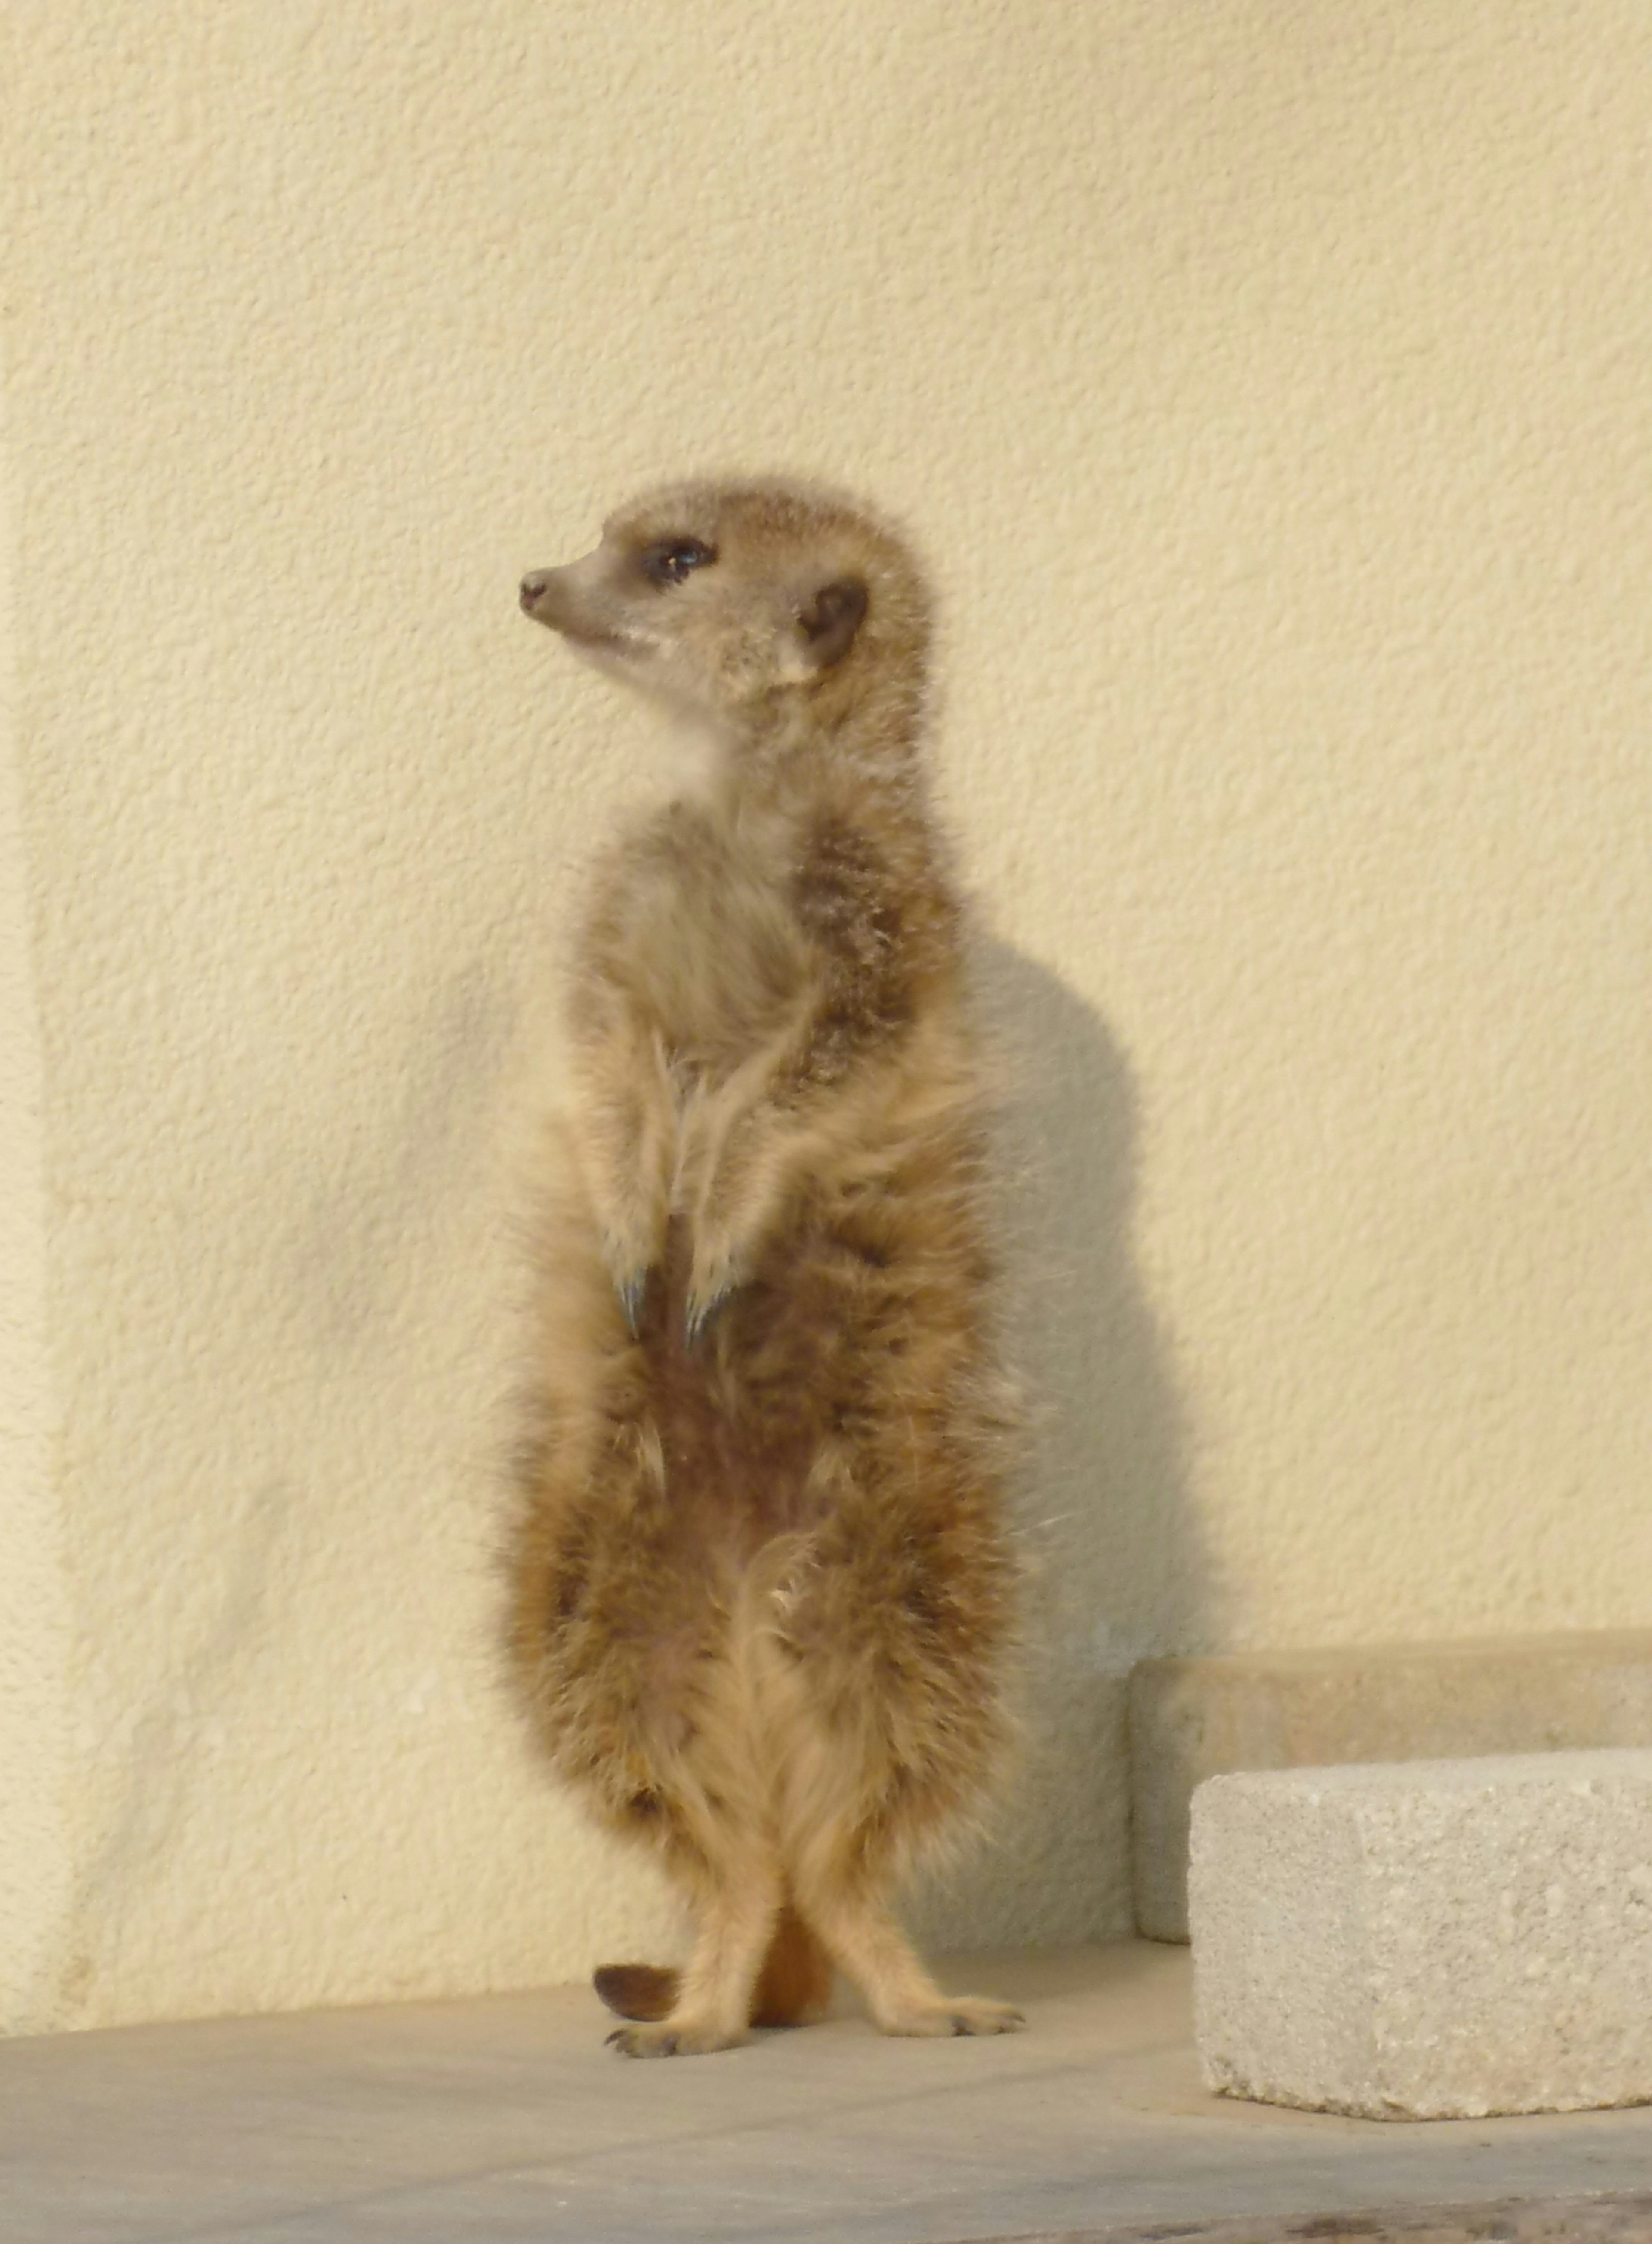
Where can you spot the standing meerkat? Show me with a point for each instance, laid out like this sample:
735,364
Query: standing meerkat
761,1587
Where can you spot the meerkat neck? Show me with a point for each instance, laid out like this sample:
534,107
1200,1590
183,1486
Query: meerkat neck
793,756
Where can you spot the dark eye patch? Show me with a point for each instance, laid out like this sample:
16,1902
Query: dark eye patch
671,559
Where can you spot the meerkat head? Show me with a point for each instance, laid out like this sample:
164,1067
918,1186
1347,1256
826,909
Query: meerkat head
735,601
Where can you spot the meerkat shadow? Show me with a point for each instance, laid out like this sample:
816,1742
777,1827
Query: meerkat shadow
1115,1565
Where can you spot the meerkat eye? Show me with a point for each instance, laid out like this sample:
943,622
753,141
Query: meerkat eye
672,559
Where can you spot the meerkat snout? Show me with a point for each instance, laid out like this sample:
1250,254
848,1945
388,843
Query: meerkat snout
533,585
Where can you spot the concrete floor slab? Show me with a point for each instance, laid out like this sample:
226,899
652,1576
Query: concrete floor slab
504,2118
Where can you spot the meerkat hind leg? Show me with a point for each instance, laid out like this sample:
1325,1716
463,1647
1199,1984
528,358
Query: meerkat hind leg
740,1900
902,1998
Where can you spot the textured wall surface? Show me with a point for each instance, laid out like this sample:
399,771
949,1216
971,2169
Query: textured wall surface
36,1712
1269,386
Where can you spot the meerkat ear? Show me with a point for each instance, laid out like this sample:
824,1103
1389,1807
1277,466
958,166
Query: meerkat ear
827,626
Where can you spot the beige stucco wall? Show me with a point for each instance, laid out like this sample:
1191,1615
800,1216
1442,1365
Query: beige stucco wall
36,1711
1268,384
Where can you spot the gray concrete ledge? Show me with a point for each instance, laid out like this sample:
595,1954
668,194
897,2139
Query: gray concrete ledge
1193,1719
505,2118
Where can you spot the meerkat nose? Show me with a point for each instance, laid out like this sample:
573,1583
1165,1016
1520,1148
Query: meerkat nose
532,586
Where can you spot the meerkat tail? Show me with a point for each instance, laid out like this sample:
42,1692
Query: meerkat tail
646,1992
795,1982
794,1986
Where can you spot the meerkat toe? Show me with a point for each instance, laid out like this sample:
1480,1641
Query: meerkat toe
643,2041
975,2014
637,1991
958,2014
667,2040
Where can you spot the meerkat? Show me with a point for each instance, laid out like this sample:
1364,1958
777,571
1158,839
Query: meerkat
761,1588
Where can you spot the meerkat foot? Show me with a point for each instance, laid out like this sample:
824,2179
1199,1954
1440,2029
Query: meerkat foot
678,2037
954,2014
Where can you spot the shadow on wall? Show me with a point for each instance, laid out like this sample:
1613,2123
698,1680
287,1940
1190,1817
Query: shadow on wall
1117,1562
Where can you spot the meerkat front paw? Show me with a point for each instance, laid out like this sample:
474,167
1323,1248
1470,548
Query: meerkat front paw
631,1253
632,1290
702,1305
718,1270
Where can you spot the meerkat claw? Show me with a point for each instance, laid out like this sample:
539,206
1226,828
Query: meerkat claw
632,1289
700,1312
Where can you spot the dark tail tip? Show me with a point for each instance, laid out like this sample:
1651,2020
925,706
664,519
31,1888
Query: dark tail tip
795,1984
644,1991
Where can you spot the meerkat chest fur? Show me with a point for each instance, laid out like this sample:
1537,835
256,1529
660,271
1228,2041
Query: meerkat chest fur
734,927
695,928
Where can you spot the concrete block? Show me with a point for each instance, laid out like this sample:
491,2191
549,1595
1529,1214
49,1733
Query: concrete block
1194,1719
1431,1940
